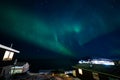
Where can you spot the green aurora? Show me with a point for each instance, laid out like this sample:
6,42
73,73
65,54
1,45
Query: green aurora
82,25
33,30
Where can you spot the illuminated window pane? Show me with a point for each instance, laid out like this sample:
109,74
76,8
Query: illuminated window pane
80,71
11,55
74,73
8,55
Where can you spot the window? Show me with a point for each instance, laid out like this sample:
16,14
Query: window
8,55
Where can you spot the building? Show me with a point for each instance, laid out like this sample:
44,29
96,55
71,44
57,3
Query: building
20,68
6,61
97,72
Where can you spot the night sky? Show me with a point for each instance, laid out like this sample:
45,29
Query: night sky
57,31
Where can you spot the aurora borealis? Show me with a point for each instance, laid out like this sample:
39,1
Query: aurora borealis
66,27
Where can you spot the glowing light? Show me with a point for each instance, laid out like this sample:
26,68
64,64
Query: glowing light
80,71
83,62
11,55
68,72
98,61
16,69
74,73
8,55
102,62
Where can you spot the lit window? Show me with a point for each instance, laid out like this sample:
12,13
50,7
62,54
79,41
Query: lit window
8,55
80,71
11,55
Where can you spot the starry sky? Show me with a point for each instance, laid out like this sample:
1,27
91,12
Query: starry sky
68,28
